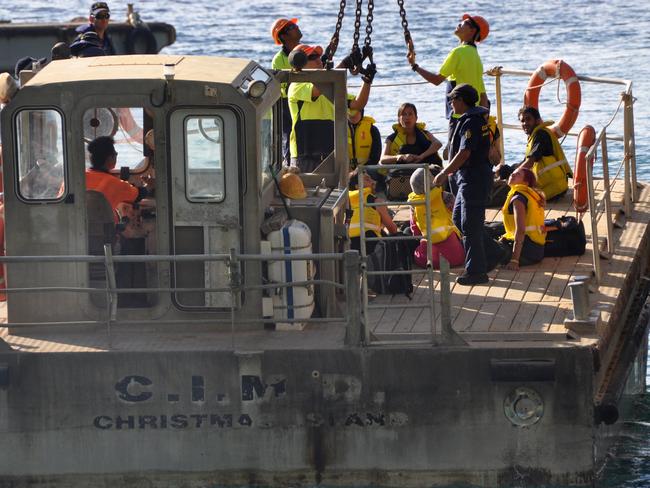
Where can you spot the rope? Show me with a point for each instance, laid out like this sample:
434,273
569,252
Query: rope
385,85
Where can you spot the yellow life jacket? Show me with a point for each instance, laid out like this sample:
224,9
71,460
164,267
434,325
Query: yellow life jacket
362,142
441,221
400,137
534,214
372,219
493,128
552,171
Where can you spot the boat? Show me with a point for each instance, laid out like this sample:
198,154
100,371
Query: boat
185,354
132,36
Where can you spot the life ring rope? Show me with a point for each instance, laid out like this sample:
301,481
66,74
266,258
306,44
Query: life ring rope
556,69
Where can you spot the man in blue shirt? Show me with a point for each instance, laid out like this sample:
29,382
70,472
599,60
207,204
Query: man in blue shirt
469,146
98,22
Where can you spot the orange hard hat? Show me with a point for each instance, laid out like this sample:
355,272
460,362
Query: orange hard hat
481,23
277,27
291,186
308,50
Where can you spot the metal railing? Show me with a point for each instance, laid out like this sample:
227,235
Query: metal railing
602,205
445,334
350,285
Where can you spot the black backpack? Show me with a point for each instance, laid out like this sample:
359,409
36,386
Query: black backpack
565,237
390,255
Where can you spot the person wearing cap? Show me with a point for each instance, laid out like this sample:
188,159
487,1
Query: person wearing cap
472,177
287,34
87,45
312,114
364,144
98,22
463,63
60,51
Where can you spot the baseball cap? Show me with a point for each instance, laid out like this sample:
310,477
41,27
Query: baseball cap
465,91
98,7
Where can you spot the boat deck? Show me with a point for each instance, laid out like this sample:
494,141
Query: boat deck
532,303
527,307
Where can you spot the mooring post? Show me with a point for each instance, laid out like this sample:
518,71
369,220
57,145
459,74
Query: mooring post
354,335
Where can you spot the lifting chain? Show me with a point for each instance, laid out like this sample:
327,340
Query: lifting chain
367,48
405,26
334,42
356,52
359,55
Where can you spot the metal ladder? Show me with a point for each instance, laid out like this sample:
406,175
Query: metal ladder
436,335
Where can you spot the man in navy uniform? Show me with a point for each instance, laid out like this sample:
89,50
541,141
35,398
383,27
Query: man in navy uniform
469,146
98,22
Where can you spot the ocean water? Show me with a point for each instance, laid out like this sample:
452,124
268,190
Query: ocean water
596,38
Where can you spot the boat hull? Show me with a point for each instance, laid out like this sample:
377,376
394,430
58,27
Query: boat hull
390,417
36,40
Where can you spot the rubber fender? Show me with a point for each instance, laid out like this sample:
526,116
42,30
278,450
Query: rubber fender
606,413
141,35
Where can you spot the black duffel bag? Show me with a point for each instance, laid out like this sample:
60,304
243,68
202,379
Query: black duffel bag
565,237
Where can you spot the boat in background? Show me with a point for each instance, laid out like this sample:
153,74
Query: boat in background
36,39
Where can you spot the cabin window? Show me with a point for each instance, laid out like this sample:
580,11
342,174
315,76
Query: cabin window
40,154
127,126
204,155
267,146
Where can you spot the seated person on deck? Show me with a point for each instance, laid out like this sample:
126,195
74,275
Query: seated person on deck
445,238
410,143
544,155
364,144
523,219
375,218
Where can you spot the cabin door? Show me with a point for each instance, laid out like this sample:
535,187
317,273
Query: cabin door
205,201
44,202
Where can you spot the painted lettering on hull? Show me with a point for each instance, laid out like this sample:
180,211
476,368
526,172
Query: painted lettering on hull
174,421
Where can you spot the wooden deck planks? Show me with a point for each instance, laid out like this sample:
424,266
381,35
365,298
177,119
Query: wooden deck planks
536,298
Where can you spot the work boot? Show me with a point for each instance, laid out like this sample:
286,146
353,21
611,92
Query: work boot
468,279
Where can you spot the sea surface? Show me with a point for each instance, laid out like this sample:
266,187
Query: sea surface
596,38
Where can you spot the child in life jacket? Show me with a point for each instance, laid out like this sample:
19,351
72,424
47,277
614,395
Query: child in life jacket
445,237
375,218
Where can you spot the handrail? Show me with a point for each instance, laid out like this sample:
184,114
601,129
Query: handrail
446,334
350,283
628,163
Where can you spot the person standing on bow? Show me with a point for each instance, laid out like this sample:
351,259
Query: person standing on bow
287,34
544,154
98,22
463,63
472,174
312,113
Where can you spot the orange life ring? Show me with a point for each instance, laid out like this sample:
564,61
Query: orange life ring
556,68
586,139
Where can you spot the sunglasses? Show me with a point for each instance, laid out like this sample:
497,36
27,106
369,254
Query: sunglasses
102,16
313,56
